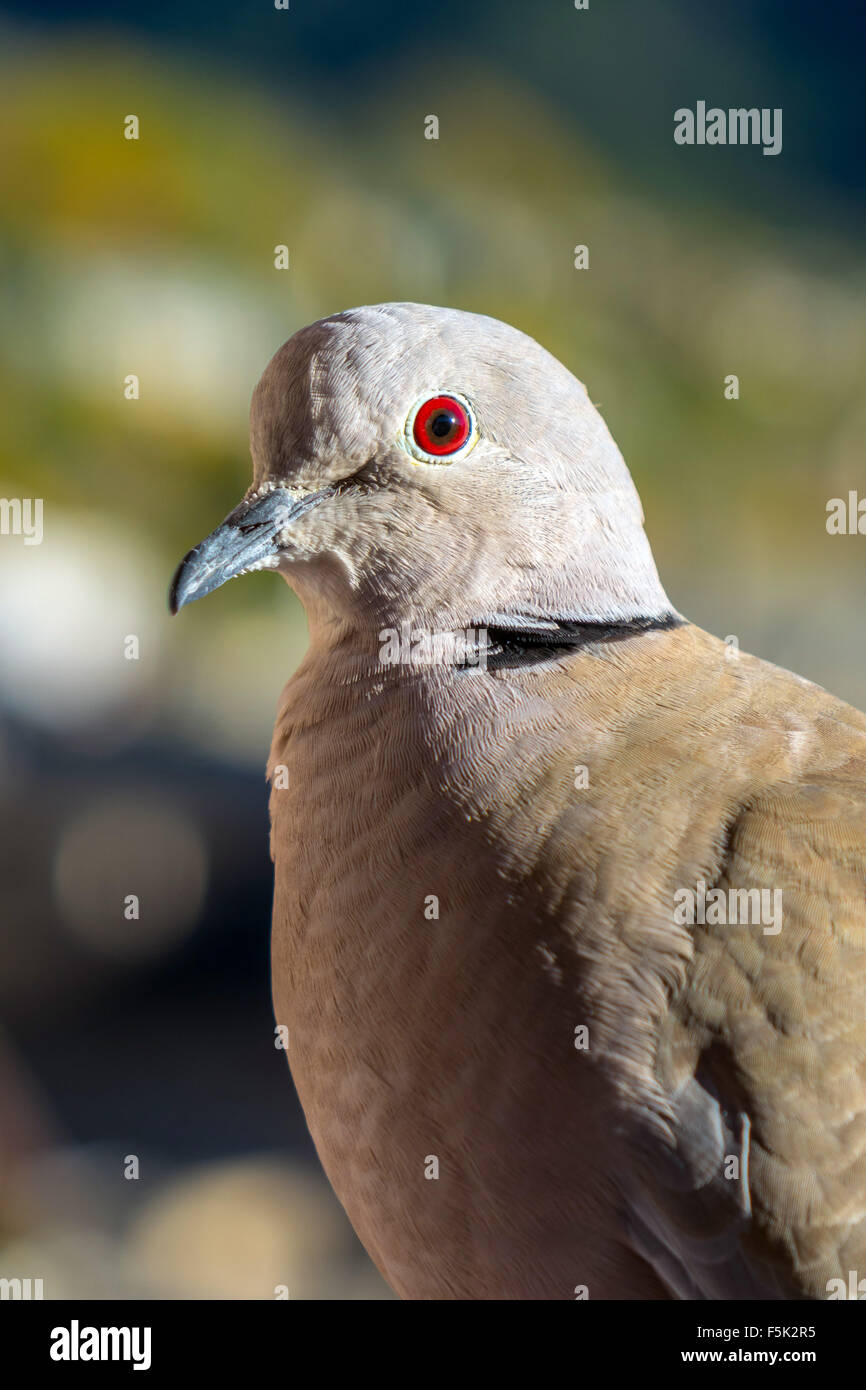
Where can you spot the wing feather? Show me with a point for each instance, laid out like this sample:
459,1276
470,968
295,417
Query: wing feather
762,1193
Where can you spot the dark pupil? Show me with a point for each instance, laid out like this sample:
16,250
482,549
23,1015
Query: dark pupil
443,424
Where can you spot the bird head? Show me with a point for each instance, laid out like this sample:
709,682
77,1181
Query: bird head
411,460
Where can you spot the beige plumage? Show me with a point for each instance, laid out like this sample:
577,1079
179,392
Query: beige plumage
475,864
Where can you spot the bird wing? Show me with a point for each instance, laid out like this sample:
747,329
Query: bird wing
761,1191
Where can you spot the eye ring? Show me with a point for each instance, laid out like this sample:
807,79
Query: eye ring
440,427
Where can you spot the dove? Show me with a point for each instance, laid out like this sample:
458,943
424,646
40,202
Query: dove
569,923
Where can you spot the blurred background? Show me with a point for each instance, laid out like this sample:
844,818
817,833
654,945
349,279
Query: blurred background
153,1038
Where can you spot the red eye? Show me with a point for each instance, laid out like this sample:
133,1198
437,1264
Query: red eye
442,425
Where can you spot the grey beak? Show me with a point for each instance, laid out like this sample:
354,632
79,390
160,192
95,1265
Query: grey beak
247,539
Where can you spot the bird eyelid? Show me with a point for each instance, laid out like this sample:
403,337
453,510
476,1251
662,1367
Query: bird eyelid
416,449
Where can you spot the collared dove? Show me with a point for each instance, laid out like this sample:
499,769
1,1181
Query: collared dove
568,930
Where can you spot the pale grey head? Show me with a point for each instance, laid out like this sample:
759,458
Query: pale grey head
532,516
